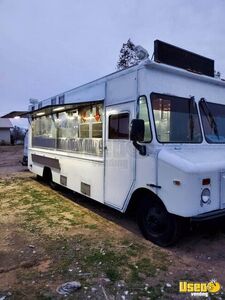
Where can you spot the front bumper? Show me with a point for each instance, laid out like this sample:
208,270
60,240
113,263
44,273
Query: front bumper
215,214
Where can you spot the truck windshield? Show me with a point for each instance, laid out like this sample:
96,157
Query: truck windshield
213,120
176,119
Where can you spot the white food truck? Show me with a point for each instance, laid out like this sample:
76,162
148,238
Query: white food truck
151,136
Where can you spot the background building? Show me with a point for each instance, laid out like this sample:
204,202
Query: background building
5,126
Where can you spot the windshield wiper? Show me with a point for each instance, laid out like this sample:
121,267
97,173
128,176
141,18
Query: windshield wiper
209,116
191,108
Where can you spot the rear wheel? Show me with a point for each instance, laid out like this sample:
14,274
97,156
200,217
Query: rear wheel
47,177
39,178
157,224
54,185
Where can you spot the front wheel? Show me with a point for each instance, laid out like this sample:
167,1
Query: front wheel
157,224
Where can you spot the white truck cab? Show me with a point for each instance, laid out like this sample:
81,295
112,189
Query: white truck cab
151,136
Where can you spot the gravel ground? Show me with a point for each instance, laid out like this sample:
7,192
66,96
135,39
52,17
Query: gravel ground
10,157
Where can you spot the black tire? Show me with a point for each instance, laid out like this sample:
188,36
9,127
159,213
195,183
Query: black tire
47,178
157,224
39,178
54,186
221,223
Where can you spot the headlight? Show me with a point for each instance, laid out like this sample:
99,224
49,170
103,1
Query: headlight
205,196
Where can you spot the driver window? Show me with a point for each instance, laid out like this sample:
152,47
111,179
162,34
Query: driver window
144,115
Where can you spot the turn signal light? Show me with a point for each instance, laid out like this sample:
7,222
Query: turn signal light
206,181
177,182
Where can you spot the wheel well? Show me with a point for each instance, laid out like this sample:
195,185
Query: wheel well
137,196
47,174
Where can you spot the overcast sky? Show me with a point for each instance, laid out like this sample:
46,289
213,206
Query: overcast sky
49,46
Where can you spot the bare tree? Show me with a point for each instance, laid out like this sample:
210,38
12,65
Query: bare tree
17,135
127,57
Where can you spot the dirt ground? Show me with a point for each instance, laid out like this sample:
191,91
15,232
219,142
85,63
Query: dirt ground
51,237
10,157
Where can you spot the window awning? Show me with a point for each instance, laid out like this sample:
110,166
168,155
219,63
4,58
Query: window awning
16,114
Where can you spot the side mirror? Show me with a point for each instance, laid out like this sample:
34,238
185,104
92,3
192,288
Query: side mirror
137,130
137,134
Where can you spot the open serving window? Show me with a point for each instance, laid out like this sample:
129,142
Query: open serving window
76,128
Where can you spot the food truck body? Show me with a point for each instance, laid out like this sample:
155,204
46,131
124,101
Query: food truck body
151,137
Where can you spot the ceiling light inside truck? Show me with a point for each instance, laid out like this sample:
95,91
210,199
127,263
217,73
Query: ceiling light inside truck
59,108
40,114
